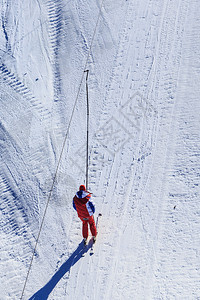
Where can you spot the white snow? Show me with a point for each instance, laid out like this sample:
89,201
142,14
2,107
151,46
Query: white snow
143,59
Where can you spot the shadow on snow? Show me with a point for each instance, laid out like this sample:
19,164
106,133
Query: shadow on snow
45,291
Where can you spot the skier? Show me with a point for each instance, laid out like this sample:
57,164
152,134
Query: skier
85,209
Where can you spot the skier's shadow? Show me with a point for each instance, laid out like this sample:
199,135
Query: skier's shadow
45,291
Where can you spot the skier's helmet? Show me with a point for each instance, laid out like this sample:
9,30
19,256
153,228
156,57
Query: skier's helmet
82,188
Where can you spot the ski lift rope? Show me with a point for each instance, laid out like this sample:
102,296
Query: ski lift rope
62,149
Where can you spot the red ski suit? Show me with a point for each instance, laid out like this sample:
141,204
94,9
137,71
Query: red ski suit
85,209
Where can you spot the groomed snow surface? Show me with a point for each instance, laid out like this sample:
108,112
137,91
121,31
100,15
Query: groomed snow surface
143,58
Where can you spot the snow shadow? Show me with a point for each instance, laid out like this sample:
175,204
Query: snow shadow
45,291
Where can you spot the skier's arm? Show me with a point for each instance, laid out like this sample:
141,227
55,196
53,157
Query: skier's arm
74,206
92,206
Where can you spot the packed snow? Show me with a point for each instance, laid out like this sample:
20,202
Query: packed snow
143,59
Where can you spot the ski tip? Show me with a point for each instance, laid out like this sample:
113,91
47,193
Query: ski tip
100,214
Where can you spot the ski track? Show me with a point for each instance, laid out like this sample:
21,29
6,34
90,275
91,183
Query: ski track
16,237
18,86
185,285
55,33
170,85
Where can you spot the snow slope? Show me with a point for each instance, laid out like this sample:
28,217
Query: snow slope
143,60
